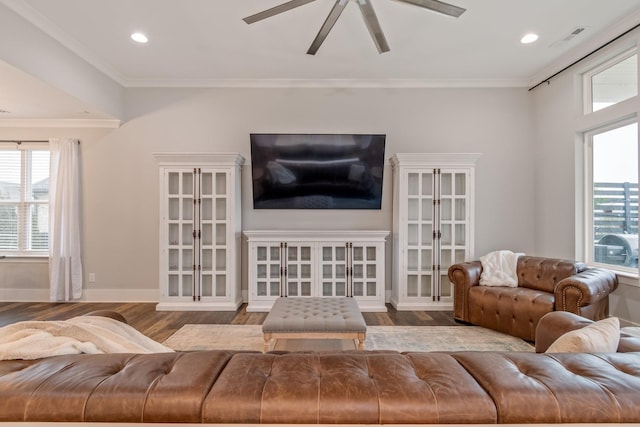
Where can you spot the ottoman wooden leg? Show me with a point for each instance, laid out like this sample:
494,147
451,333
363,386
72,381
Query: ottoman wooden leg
361,338
267,342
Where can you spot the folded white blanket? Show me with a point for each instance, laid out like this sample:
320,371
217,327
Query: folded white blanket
499,269
83,334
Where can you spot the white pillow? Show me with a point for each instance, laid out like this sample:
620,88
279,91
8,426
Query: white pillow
602,336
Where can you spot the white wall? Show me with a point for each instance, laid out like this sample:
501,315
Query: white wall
120,176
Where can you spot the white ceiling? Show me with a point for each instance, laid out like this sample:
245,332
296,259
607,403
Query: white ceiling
206,43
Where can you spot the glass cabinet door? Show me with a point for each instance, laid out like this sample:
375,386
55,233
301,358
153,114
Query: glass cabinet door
420,229
268,260
181,228
214,228
333,270
454,227
299,276
364,264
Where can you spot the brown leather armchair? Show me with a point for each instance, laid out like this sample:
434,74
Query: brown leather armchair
544,285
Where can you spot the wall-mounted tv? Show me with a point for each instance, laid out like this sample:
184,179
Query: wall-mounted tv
321,171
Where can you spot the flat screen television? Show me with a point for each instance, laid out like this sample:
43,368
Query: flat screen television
322,171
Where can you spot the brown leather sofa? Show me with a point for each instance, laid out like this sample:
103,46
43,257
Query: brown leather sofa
544,285
553,325
381,387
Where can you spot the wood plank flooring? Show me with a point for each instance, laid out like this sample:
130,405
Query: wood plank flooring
159,325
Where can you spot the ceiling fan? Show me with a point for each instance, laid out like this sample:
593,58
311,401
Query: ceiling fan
368,13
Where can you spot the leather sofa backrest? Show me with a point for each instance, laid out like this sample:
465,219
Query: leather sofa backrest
544,273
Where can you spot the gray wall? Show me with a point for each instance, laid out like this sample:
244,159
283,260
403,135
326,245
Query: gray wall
120,176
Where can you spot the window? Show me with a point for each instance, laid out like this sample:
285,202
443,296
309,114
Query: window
610,148
614,195
612,82
24,199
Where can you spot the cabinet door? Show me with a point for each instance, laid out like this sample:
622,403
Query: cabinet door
454,224
268,265
365,273
179,220
333,270
299,274
214,234
420,229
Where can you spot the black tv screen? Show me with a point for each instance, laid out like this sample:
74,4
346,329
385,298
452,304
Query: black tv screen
326,171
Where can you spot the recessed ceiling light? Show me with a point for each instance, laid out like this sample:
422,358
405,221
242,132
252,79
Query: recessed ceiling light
529,38
139,37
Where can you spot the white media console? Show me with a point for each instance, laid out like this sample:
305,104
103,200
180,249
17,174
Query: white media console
316,264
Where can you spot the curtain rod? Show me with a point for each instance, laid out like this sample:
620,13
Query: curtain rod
548,79
26,140
21,141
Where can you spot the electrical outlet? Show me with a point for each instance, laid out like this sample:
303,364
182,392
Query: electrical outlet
92,277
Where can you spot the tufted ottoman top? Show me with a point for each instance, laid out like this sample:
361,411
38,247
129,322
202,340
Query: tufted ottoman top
314,315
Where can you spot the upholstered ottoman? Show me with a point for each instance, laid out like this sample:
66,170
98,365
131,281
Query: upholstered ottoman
316,318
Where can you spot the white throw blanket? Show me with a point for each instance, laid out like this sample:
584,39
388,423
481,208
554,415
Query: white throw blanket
499,269
83,334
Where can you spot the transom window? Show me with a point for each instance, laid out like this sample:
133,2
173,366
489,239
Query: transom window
24,199
612,82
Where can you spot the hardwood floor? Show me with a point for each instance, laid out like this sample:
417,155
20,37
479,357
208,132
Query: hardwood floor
159,325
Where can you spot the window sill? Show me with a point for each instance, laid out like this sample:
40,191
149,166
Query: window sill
24,258
627,278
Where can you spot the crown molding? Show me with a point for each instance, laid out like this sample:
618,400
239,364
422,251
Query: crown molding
325,83
60,123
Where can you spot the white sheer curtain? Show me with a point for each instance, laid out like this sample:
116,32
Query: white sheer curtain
65,266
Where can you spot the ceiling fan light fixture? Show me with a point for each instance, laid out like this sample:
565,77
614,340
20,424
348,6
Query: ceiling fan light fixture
529,38
366,8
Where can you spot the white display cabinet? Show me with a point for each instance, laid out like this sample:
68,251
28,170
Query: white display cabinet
200,231
432,226
316,264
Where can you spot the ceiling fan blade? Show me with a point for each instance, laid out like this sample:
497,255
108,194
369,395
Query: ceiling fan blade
327,26
275,10
370,18
438,6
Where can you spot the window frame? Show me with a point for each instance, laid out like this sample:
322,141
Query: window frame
25,205
589,253
588,124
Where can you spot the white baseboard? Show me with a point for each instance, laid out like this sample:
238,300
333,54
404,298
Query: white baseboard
120,295
89,295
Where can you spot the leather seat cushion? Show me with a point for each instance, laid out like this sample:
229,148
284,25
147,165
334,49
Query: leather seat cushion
380,388
515,311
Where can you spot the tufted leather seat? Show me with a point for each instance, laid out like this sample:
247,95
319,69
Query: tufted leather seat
330,388
544,285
